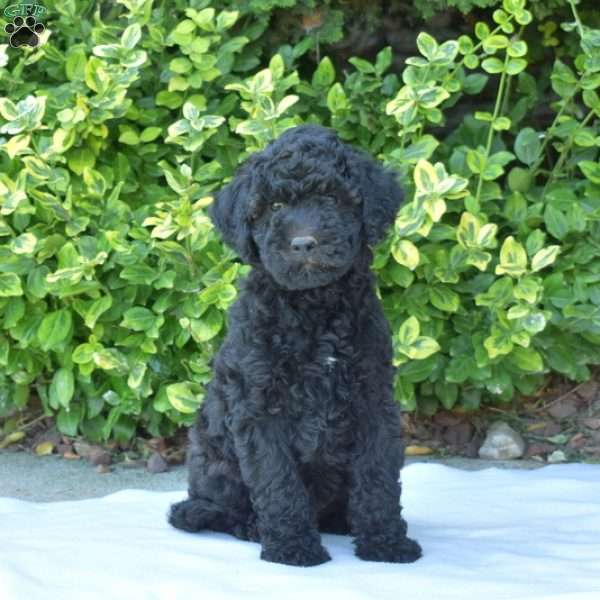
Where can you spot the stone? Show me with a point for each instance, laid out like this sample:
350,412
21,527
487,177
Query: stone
502,442
99,456
557,456
538,449
563,409
83,449
588,391
157,464
578,441
550,430
458,435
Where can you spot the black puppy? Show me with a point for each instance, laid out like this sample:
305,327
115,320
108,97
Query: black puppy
299,431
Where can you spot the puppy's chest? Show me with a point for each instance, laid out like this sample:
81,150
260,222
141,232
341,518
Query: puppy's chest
314,375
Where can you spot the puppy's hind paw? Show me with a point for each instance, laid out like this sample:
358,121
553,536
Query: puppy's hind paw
401,551
188,515
296,555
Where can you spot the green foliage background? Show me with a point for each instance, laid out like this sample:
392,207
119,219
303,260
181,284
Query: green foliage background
113,134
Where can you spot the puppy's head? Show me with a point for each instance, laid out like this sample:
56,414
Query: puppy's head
304,207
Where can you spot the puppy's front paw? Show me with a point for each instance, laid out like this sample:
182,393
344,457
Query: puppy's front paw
404,550
297,554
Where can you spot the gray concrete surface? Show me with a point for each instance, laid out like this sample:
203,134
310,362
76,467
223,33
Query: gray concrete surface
52,478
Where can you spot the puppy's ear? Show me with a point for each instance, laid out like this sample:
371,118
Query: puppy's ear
379,192
230,214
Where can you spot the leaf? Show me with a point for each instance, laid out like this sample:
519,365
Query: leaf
96,310
527,359
447,393
131,36
556,222
413,450
138,318
208,326
513,258
226,19
406,253
336,98
54,329
136,375
427,45
528,146
494,42
44,448
61,388
444,298
421,149
487,235
404,392
544,257
37,168
84,353
425,176
527,289
435,207
182,65
182,398
324,75
79,159
467,233
8,109
68,420
140,274
591,170
10,285
362,65
150,134
75,63
109,358
286,103
481,30
519,179
204,18
478,258
422,348
383,60
12,438
498,345
492,65
515,65
409,331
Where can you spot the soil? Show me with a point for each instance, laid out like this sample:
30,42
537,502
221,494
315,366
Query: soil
563,417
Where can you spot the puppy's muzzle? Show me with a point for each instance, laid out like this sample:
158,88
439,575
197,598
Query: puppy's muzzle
303,246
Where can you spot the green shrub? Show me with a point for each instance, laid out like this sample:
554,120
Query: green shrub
114,133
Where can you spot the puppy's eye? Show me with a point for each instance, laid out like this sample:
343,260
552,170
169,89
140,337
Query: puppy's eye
277,206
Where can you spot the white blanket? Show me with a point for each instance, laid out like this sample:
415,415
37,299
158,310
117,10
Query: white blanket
486,535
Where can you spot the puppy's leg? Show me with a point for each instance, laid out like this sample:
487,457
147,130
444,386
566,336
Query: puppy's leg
287,522
374,507
196,514
218,498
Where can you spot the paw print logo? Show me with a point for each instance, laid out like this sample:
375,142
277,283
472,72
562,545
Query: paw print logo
24,32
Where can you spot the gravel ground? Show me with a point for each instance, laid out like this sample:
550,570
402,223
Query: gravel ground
53,478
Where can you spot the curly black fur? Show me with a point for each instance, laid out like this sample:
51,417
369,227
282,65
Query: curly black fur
299,431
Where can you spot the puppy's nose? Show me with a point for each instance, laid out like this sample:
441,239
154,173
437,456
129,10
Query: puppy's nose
303,245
